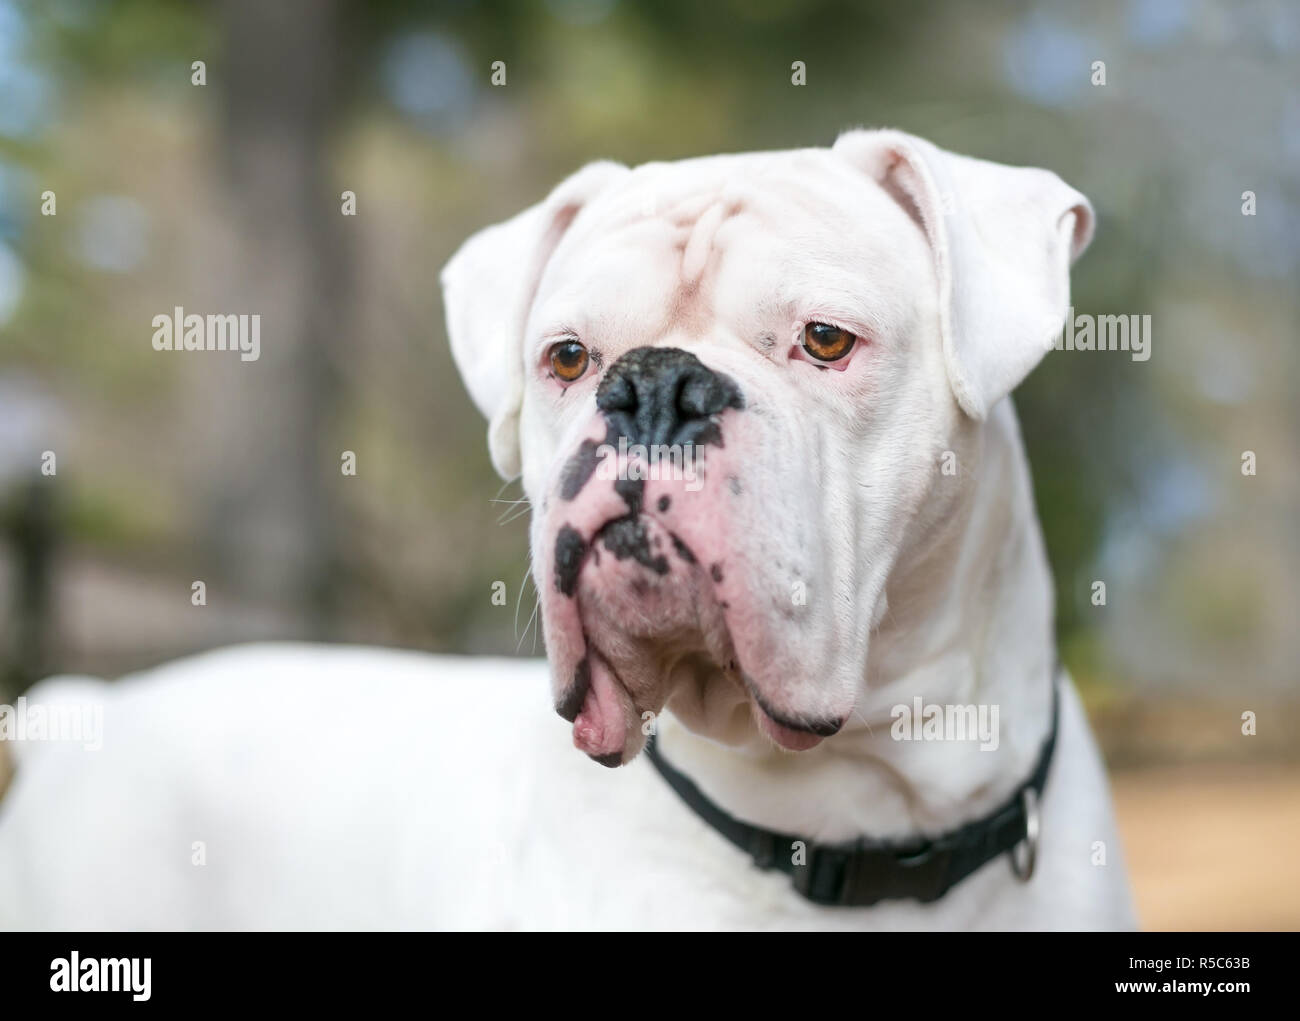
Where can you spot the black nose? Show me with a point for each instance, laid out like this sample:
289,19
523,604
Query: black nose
664,395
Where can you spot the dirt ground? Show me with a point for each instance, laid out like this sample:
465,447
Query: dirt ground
1213,847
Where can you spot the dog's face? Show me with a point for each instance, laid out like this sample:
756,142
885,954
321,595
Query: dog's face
730,385
756,320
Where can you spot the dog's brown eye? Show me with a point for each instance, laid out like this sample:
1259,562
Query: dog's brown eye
568,360
827,343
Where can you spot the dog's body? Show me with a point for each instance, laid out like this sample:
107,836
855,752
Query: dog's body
854,539
348,788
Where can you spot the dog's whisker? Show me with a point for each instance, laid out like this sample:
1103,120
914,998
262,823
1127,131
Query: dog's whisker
530,626
528,570
514,514
509,503
532,618
537,605
858,713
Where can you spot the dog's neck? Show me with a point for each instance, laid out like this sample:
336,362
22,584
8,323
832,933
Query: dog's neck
945,639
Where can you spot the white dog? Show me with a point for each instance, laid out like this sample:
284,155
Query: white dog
760,407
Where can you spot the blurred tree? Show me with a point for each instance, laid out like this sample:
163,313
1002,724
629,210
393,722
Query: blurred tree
275,518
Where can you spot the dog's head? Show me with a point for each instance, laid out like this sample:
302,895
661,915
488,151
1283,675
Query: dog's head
730,385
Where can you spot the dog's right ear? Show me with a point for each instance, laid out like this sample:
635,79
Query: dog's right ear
488,288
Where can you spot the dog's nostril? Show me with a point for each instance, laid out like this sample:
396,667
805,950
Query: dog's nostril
699,397
616,394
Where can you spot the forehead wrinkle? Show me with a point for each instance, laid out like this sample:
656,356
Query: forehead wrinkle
700,243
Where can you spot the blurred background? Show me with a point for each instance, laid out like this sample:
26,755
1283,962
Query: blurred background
226,196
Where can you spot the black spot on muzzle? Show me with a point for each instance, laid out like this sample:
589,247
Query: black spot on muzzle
571,704
569,551
579,469
626,537
664,395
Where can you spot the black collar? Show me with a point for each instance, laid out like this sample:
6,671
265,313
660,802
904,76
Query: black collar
866,871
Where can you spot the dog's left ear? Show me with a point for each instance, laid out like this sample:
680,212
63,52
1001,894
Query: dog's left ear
488,288
1003,240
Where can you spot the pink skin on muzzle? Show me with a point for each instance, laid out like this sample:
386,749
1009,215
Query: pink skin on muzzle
616,587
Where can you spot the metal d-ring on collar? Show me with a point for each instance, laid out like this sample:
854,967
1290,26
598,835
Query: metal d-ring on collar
867,871
1025,872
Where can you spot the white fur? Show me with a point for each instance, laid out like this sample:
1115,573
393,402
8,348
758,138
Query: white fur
340,787
363,788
